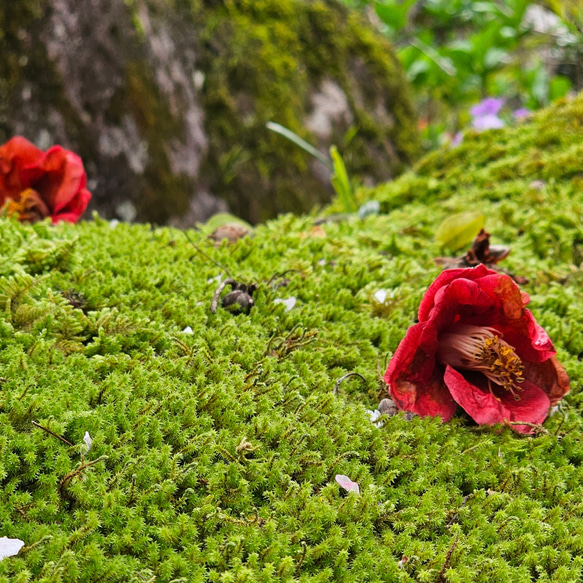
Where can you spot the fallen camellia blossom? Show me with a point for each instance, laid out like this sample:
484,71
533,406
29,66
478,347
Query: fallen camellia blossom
477,346
36,184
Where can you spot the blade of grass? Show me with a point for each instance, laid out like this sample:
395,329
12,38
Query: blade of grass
292,137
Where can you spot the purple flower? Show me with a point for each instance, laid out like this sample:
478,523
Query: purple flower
489,106
487,122
456,140
521,112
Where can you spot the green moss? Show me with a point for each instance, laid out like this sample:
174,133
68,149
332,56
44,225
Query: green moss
214,453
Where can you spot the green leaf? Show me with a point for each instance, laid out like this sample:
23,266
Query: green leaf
444,63
221,219
292,137
393,15
341,183
459,230
559,87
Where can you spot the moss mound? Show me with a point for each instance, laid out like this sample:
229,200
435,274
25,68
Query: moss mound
214,452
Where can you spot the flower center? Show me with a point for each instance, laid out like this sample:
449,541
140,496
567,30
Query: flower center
482,349
29,207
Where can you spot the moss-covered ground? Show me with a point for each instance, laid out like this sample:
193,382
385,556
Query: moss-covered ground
214,453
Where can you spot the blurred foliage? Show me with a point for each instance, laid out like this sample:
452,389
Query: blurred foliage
457,52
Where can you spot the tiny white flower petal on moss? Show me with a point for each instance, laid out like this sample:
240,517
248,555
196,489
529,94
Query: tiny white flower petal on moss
9,547
87,441
346,483
374,415
113,223
381,296
217,279
188,330
322,262
289,303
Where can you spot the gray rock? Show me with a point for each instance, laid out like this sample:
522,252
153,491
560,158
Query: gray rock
387,407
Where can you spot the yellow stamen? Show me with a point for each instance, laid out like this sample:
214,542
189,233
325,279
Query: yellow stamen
29,207
481,349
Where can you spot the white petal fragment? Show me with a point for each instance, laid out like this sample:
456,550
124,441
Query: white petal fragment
374,415
346,483
289,303
188,330
9,547
87,441
381,296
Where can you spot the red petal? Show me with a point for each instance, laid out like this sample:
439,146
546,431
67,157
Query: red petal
518,325
61,180
486,409
445,278
75,209
16,155
550,376
415,381
64,177
492,300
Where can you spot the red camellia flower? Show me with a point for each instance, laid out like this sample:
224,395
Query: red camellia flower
477,346
36,184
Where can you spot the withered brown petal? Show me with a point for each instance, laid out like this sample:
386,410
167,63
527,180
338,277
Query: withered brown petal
550,376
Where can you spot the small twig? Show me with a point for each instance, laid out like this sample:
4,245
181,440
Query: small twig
52,433
278,275
331,219
341,379
441,576
454,518
301,561
216,297
67,479
36,544
207,256
536,426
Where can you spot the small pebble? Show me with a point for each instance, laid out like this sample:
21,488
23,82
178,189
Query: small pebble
231,232
387,407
